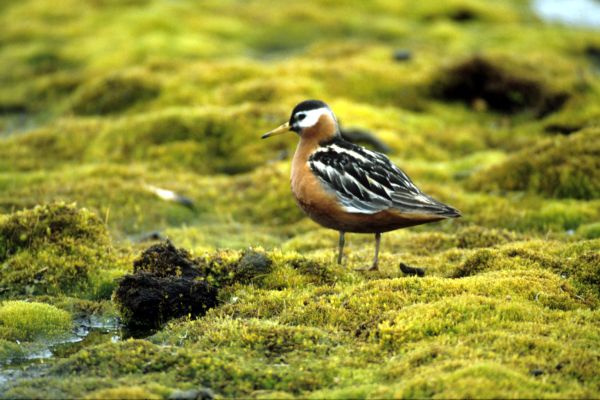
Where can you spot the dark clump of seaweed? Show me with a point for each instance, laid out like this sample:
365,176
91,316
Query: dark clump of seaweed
147,301
478,79
562,167
169,283
164,259
113,94
562,129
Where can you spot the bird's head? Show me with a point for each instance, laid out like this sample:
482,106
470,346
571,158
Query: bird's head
309,119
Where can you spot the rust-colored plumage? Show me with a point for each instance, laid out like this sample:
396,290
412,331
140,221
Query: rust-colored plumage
345,187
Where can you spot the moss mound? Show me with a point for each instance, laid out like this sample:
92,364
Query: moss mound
123,392
480,79
113,94
564,167
578,264
66,140
55,248
113,359
25,321
205,140
125,106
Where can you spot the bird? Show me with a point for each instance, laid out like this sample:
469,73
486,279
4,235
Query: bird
348,188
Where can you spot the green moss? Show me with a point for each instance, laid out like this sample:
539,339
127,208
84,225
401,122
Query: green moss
113,93
114,359
211,140
264,195
49,224
561,167
124,392
590,231
473,237
52,249
471,380
9,349
101,187
102,100
24,321
49,147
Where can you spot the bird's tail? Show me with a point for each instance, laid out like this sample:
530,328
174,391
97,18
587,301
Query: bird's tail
421,203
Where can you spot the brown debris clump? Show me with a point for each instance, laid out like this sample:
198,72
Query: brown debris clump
168,283
480,81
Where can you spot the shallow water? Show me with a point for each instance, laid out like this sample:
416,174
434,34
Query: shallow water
88,331
578,13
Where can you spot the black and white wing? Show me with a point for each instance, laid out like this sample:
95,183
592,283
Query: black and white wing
367,182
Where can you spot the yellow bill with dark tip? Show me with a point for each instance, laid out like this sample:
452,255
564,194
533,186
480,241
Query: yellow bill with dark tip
277,131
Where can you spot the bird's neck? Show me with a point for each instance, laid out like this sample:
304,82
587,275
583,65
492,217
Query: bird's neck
325,130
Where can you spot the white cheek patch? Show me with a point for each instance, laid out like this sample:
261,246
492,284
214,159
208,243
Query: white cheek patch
312,117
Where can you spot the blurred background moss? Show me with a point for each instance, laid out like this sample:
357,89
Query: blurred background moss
492,107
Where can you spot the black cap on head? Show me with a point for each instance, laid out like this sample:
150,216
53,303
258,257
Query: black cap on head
307,105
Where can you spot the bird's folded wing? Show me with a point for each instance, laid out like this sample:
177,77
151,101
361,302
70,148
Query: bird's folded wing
367,182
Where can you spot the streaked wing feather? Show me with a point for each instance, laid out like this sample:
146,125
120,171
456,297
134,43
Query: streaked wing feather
368,182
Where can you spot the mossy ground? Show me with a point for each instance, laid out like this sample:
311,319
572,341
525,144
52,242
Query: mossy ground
488,109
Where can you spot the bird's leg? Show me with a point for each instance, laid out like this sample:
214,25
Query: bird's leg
375,266
341,247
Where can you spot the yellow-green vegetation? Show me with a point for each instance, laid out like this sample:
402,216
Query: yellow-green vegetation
28,321
560,167
55,248
125,392
105,104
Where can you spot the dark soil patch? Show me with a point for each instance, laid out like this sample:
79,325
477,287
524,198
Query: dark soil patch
168,283
479,80
164,260
150,300
593,54
13,108
463,15
562,129
460,15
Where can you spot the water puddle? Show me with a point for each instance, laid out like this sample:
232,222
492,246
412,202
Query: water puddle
577,13
38,358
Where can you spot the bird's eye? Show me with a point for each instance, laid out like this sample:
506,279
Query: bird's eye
300,117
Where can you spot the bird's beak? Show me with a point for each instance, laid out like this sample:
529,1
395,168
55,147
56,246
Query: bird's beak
277,131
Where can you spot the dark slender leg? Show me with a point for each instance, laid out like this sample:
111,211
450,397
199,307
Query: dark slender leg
375,265
341,247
